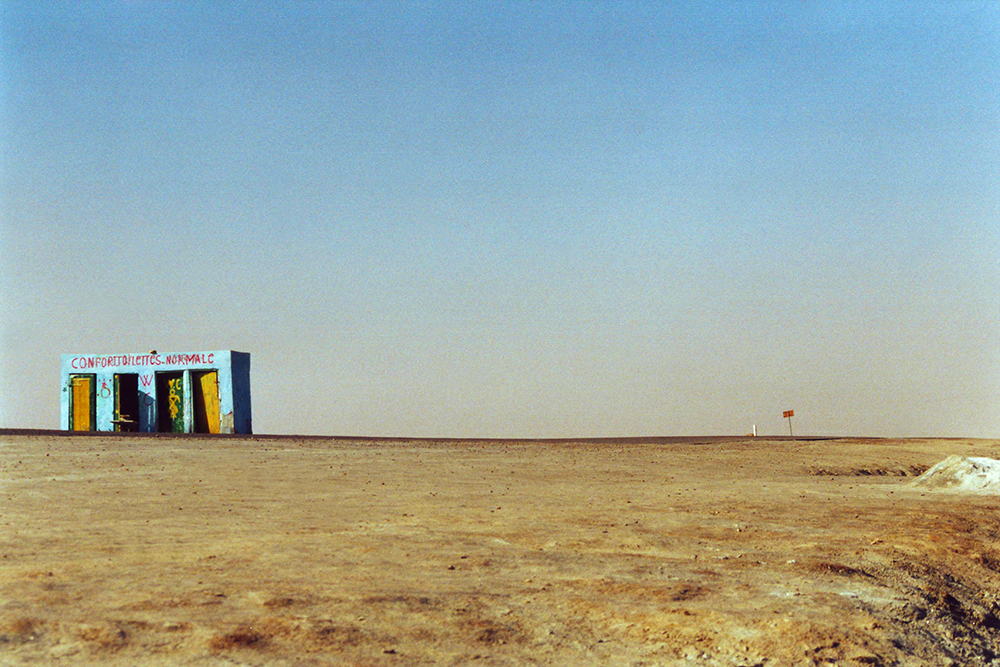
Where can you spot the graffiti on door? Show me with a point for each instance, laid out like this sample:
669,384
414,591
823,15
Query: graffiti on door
174,396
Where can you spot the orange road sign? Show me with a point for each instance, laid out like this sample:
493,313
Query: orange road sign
788,413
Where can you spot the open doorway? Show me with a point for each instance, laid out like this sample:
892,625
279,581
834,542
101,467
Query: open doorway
126,402
205,395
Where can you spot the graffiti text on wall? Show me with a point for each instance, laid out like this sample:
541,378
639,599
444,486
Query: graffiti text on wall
114,361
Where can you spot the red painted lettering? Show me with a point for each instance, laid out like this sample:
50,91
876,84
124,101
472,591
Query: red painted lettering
122,360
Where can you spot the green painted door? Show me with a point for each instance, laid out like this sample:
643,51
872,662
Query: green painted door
170,402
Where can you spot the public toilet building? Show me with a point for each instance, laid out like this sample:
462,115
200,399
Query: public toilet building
183,392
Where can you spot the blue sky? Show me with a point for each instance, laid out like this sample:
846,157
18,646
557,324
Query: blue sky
513,219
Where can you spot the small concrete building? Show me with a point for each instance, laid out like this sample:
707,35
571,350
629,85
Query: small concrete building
181,392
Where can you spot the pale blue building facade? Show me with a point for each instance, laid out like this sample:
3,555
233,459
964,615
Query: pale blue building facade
177,392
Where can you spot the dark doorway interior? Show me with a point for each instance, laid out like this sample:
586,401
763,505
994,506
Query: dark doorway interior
126,402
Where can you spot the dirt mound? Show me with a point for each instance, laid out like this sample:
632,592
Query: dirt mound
973,474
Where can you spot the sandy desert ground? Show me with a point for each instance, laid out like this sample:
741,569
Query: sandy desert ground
155,550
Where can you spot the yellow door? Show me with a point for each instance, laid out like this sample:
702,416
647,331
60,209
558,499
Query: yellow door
81,403
206,401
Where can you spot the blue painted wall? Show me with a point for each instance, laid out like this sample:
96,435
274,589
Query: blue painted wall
234,385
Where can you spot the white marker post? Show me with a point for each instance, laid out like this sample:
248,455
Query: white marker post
789,414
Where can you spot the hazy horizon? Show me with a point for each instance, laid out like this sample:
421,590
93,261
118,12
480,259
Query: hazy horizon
498,220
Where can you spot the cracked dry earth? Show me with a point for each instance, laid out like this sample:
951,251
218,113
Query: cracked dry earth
129,550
